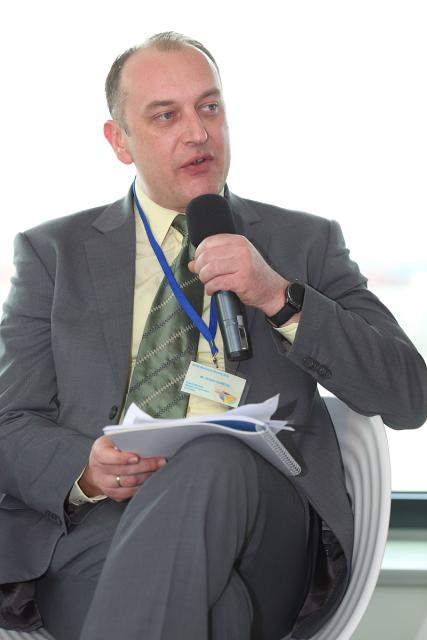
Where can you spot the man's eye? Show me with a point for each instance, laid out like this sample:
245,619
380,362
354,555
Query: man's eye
167,115
211,107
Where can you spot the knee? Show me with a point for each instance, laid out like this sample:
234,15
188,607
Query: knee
218,453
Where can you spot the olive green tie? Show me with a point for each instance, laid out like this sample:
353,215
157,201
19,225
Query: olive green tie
169,342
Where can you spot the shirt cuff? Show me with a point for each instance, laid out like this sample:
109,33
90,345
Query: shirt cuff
288,332
77,497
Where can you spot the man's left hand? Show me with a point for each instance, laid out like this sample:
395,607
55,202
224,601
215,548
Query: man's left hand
228,262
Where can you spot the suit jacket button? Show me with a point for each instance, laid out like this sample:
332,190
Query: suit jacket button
309,362
324,372
113,412
54,518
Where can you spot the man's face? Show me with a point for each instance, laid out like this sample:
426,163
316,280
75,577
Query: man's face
176,128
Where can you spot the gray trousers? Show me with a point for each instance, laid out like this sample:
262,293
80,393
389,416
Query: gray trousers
213,546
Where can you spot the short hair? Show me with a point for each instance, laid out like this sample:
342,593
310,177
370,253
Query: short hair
166,41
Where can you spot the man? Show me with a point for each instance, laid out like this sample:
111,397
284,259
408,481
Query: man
213,543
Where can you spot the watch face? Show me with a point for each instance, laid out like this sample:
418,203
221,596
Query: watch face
295,295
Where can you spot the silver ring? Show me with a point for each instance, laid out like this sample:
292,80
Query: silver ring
119,484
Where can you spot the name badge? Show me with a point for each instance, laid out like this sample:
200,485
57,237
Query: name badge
213,384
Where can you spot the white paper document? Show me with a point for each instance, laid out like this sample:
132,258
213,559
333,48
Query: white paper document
251,423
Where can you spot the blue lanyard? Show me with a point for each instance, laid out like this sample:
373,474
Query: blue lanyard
208,333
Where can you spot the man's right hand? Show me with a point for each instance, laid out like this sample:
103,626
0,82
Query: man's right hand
107,467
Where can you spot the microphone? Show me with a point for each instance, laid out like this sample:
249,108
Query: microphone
208,215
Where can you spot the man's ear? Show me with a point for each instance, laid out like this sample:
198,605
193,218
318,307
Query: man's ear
117,138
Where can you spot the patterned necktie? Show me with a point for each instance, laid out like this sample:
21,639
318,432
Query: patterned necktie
169,342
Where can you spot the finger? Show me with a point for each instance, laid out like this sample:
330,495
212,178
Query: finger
125,490
225,259
144,465
130,482
225,283
219,240
209,269
222,253
106,453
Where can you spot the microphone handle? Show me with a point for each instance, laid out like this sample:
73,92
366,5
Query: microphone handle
232,326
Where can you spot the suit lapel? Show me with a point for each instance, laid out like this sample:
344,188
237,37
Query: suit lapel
111,259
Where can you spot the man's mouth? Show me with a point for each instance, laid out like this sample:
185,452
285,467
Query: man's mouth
197,161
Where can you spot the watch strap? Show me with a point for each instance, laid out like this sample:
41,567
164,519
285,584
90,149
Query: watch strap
291,306
282,316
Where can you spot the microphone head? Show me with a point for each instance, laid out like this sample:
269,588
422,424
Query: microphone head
208,215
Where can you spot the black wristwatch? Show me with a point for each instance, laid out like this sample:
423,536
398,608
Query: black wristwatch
294,298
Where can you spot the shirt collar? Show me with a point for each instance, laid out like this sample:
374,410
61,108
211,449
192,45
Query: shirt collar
159,218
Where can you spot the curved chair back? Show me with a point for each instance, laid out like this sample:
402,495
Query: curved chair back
365,454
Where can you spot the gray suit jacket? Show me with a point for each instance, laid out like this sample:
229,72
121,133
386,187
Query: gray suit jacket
64,363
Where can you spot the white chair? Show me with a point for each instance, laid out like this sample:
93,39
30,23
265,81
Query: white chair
365,454
40,634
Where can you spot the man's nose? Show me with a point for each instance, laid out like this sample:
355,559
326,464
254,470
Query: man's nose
194,131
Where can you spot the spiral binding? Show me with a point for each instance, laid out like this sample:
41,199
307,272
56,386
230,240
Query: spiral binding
285,457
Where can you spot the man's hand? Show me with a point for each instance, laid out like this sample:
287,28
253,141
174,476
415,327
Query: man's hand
227,262
106,464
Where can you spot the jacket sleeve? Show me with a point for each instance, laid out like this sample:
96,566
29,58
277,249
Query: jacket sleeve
34,446
349,341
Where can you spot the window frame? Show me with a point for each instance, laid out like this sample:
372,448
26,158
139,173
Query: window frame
408,510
